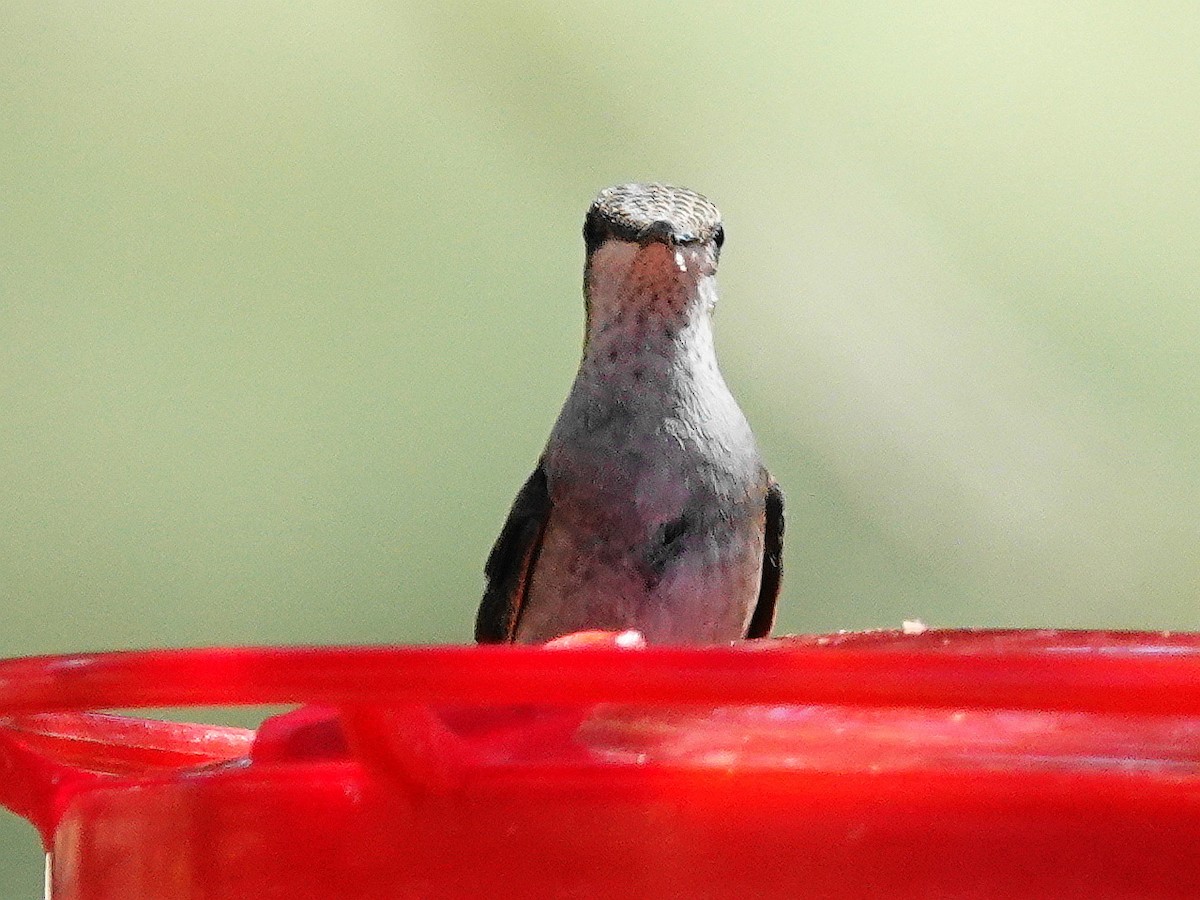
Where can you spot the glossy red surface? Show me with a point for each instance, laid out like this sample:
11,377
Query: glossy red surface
945,764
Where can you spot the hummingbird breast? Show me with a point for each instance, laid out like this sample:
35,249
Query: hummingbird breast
657,496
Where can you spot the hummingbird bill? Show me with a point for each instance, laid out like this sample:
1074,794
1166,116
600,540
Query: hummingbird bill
650,508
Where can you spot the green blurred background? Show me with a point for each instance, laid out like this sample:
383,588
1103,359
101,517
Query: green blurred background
289,297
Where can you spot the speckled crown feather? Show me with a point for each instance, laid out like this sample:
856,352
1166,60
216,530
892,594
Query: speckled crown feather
648,212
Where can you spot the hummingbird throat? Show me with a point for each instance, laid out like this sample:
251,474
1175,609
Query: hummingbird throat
649,308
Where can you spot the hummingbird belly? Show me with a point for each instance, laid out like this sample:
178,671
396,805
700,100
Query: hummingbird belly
689,580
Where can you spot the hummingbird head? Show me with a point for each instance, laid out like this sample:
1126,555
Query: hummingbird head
652,213
652,253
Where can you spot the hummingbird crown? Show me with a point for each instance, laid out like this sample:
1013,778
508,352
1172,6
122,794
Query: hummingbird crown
652,212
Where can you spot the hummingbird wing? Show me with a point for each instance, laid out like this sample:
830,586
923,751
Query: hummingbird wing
763,617
510,564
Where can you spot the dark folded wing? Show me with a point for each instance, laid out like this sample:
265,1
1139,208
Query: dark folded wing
763,618
510,564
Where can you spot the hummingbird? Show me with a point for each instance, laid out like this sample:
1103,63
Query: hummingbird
650,508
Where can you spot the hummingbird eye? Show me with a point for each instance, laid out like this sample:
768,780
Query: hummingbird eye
594,232
719,236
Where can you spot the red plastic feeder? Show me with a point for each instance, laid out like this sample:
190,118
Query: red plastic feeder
947,764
